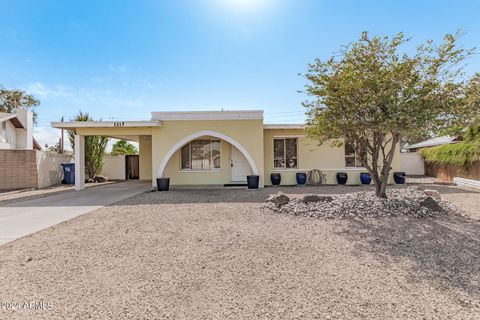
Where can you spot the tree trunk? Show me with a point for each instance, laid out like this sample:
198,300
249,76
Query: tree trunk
380,175
381,190
380,185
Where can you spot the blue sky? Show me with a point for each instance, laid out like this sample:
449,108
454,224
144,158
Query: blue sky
124,59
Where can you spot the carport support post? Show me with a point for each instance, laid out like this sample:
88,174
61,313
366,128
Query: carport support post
79,162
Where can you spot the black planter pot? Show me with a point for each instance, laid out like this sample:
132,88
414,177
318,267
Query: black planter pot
399,177
342,177
301,178
276,178
365,178
163,184
252,181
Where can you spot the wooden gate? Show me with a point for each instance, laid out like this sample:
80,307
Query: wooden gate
132,165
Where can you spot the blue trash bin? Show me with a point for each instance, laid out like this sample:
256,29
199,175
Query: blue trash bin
68,173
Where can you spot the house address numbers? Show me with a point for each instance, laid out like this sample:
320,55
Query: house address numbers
119,124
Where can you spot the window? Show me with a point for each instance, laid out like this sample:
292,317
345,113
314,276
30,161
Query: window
285,153
3,132
201,155
353,156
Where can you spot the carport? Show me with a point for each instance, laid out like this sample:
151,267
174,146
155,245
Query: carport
137,131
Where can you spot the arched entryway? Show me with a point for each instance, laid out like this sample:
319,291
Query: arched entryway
200,134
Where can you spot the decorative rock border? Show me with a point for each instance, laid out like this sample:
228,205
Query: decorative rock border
400,202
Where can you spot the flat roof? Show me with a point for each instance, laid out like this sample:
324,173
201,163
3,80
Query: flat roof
207,115
161,116
284,126
105,124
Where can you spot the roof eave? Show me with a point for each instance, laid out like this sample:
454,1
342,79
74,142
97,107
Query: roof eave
283,126
105,124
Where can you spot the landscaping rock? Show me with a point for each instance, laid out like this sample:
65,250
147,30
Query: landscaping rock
400,202
431,204
316,198
89,180
101,179
279,199
432,193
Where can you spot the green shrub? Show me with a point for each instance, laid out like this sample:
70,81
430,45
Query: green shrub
461,154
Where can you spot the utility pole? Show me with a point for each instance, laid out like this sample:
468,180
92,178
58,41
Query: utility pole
61,141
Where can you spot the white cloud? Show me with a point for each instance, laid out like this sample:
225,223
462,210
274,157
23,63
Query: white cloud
48,136
40,89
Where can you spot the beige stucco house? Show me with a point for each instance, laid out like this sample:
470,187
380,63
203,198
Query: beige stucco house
219,148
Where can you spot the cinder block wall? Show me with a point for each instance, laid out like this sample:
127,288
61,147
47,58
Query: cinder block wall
18,169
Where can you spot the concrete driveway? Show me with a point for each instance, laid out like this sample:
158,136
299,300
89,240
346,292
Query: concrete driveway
21,218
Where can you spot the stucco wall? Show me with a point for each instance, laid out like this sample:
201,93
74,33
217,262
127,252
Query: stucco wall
247,133
145,158
114,167
9,140
412,163
250,134
49,169
311,155
186,177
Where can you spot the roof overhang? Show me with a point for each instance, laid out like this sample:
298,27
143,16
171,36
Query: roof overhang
13,118
207,115
36,145
283,126
438,141
105,124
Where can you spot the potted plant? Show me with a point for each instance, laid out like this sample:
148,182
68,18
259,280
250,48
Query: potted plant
163,184
275,178
365,177
252,181
342,177
301,178
399,177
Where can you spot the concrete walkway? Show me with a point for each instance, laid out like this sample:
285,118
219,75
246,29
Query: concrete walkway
21,218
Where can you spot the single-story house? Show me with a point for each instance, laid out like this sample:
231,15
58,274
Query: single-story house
219,148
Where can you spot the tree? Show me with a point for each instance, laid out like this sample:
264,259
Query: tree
56,147
11,100
122,147
472,97
95,148
372,95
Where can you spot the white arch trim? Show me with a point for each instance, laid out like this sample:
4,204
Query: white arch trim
199,134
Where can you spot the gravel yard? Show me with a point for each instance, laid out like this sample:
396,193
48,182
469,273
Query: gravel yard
216,254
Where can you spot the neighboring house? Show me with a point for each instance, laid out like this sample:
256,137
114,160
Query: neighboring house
413,163
438,141
16,131
219,148
22,163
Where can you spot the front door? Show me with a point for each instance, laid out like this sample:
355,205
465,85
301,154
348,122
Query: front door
239,166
